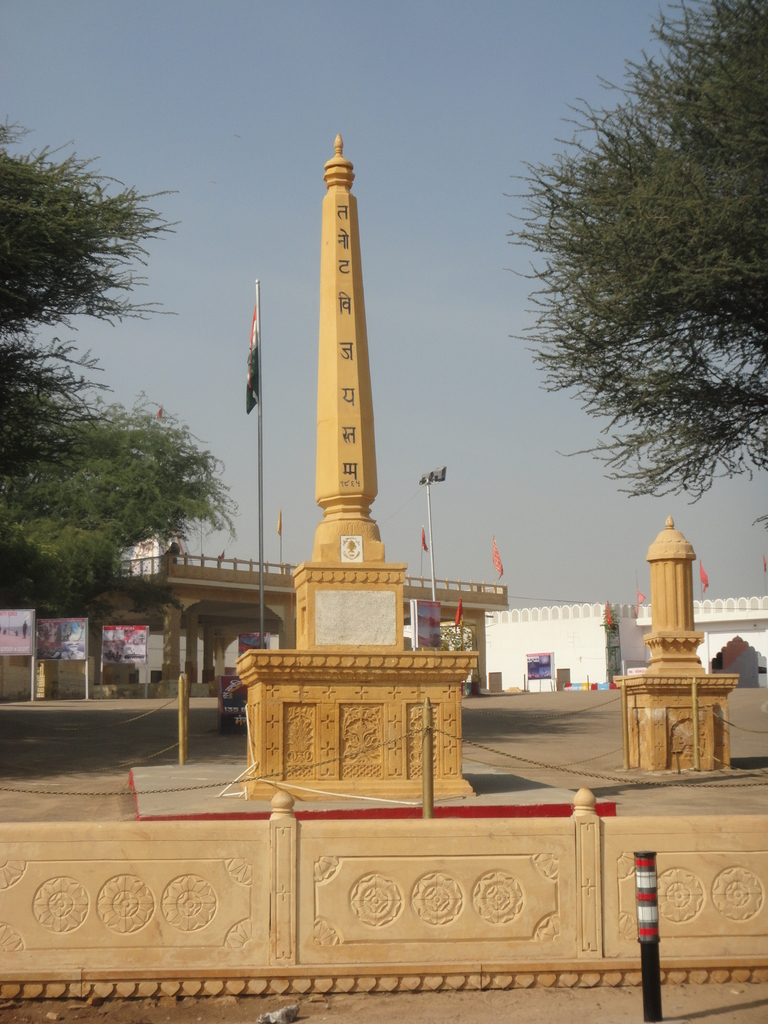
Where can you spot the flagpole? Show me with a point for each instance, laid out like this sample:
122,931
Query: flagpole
260,472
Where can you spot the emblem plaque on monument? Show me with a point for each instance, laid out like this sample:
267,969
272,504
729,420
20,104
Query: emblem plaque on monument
342,712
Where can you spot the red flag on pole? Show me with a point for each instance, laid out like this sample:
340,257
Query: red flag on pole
459,614
640,598
424,540
703,577
765,565
160,413
608,616
497,560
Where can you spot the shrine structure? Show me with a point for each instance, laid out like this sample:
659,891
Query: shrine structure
660,702
342,712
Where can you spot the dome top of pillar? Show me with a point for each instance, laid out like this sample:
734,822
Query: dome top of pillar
670,545
338,170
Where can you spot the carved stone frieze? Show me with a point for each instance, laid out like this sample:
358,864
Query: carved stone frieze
362,735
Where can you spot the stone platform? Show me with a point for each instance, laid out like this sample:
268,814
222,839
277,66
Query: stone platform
496,794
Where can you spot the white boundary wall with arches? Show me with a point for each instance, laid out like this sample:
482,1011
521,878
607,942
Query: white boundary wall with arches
576,636
573,633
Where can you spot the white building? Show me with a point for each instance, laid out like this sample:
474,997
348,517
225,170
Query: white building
576,638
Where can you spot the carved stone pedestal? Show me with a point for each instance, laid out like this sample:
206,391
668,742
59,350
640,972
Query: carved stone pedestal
660,703
340,722
660,717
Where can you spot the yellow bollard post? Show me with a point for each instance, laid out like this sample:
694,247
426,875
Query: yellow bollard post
183,720
427,779
625,724
695,715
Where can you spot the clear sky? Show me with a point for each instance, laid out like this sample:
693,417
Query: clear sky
235,107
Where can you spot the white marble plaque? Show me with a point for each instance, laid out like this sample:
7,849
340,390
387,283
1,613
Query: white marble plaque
355,617
351,549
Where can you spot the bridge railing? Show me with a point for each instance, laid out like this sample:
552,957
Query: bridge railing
459,586
156,564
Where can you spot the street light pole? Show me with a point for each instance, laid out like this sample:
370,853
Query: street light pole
431,545
436,476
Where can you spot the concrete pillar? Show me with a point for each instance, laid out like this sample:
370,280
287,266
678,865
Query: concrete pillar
208,672
171,640
94,651
287,630
190,661
220,645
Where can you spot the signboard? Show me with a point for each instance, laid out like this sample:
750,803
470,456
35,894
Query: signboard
425,624
540,665
62,640
16,629
124,645
233,697
250,642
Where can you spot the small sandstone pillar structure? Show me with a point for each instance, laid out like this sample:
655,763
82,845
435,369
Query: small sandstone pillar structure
660,703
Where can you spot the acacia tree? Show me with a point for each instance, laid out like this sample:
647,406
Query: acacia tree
652,224
70,242
65,526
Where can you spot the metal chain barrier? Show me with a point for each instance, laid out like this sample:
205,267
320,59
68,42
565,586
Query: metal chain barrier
609,778
536,715
721,716
283,776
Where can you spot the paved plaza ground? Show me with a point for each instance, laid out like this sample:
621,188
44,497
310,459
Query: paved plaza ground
70,760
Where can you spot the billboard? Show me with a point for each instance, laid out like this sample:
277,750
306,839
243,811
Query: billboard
250,642
62,639
425,624
16,629
124,645
233,698
540,666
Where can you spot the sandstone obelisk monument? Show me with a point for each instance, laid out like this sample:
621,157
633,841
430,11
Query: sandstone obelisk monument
346,484
342,713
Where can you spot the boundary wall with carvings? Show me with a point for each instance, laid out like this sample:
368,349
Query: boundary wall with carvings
280,906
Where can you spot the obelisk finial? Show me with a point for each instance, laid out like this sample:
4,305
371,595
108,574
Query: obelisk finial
346,452
338,170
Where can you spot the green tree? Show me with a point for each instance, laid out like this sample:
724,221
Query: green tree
652,225
65,527
70,242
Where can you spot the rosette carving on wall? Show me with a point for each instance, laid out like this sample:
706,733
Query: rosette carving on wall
376,900
437,898
737,893
125,904
681,895
498,897
60,904
11,872
189,903
10,940
324,933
